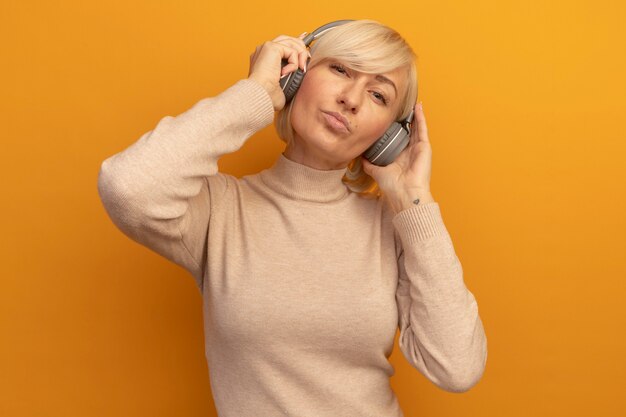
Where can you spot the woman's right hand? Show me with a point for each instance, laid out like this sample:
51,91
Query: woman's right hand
266,60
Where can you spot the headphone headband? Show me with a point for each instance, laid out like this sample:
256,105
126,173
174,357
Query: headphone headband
322,29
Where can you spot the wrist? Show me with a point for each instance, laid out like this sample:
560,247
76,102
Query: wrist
406,201
276,94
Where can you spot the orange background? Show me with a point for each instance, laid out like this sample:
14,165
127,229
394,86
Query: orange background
525,103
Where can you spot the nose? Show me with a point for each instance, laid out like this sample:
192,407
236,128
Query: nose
349,97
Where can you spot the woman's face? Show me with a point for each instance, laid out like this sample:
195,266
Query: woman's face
368,103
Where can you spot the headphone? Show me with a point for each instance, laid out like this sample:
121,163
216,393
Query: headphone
390,144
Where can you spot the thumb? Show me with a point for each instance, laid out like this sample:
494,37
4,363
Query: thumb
368,167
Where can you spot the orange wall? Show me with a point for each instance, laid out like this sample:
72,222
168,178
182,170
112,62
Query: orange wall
524,102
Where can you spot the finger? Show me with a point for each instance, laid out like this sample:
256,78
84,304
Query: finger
253,57
368,167
304,60
296,60
303,56
413,139
293,42
297,44
291,55
254,54
422,129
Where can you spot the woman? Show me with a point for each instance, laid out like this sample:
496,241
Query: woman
307,269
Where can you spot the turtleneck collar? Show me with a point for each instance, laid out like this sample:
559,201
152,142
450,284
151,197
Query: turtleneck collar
301,182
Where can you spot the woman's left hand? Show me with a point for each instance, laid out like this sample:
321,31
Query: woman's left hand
407,178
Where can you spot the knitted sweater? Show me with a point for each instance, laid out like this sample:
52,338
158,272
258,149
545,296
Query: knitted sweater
304,283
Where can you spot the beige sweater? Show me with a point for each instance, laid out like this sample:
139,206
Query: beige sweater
304,283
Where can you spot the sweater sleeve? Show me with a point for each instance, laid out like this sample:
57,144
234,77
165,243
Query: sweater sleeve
156,191
441,333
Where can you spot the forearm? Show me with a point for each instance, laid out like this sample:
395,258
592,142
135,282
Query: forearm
166,166
441,331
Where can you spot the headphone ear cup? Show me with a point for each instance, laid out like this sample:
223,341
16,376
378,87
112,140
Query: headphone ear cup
388,146
292,83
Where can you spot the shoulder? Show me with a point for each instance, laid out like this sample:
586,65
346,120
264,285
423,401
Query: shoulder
221,186
227,189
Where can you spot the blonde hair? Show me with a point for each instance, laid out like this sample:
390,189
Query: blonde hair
370,47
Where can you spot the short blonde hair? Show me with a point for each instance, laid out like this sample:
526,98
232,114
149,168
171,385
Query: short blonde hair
370,47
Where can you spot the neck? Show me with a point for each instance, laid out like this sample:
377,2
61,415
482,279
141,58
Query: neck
301,182
311,158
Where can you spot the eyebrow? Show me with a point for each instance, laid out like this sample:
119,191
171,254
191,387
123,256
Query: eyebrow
380,78
386,80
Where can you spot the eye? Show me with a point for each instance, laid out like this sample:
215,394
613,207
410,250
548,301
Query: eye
339,68
380,97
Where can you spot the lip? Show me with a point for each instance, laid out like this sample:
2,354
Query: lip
336,117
